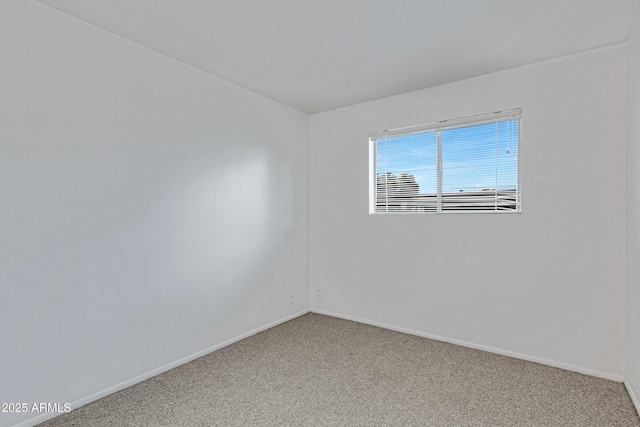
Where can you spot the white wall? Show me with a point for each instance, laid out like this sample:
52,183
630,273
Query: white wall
632,216
546,284
148,211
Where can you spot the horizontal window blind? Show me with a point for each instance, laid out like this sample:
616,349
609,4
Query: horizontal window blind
463,165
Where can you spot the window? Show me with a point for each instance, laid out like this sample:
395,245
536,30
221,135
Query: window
470,164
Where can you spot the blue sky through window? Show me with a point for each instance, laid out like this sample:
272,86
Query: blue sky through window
474,158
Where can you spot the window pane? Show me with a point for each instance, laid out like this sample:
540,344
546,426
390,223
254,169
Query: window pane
406,173
480,166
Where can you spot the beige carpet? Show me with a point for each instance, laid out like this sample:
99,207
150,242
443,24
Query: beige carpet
321,371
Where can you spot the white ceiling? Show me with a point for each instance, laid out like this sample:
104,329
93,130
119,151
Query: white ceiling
317,55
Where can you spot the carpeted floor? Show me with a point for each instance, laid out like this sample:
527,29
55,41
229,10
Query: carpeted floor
321,371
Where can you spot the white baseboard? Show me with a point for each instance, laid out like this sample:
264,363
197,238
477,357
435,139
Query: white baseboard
135,380
565,366
633,396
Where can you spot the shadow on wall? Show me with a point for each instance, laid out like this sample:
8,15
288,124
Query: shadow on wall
220,225
133,249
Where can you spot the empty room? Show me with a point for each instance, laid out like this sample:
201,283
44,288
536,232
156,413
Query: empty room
329,213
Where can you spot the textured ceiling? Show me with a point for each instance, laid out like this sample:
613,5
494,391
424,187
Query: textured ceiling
320,55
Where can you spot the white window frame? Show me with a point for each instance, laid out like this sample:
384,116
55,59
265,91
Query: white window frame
498,116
